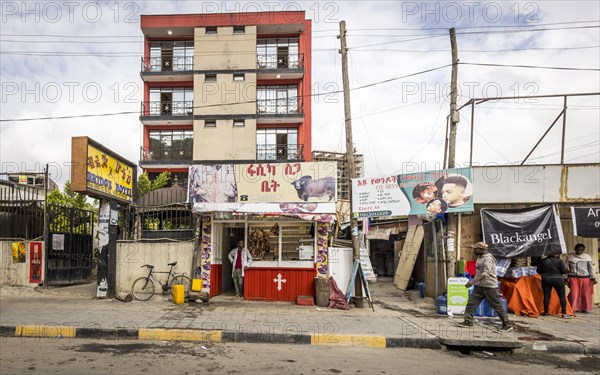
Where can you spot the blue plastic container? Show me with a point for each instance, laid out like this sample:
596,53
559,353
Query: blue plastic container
504,304
442,304
482,309
421,286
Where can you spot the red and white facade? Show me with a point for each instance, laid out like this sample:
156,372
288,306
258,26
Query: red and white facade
234,89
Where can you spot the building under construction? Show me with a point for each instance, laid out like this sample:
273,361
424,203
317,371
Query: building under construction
343,172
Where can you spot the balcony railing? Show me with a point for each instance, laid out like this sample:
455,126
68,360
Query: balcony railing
279,152
167,64
167,108
165,153
286,106
279,61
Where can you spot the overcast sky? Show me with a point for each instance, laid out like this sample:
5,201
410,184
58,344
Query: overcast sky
83,58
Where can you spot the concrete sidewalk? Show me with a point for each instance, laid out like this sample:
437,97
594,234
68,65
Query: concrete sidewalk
396,322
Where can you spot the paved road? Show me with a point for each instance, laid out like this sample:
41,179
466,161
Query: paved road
78,356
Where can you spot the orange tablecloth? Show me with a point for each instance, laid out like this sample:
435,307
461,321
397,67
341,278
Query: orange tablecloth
525,296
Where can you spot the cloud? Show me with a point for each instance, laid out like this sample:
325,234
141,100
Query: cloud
393,123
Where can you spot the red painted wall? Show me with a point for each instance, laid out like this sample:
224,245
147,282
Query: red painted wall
216,274
259,284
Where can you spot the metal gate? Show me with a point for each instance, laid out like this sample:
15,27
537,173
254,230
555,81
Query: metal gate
69,246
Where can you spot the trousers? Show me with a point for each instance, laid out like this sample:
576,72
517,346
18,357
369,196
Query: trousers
478,295
238,282
558,284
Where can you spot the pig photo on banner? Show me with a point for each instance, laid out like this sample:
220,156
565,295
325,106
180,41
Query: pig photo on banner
523,232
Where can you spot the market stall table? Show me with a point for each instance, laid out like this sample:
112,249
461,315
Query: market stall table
525,297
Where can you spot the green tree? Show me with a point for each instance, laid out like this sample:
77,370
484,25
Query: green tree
68,198
145,186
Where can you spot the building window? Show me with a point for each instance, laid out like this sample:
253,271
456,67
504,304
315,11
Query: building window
210,78
280,99
239,29
277,53
278,144
210,123
211,31
170,101
170,56
239,122
285,241
169,145
239,76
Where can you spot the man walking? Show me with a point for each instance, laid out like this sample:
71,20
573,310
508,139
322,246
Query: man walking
241,259
486,287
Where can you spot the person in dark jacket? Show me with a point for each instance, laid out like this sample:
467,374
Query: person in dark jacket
553,272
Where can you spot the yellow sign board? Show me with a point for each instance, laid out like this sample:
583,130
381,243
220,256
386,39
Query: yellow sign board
99,172
107,175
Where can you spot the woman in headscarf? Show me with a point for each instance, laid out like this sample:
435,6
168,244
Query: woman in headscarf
581,279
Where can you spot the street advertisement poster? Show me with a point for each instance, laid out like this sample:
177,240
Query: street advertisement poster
365,262
458,295
18,252
58,241
437,192
35,261
586,221
377,197
273,188
523,232
430,192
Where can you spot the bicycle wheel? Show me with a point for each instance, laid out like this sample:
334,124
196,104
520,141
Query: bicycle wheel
181,280
142,288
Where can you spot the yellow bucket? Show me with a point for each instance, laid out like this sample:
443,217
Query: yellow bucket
196,285
178,294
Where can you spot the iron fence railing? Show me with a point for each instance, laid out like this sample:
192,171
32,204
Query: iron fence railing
21,211
167,64
150,153
279,61
285,106
162,214
167,108
280,152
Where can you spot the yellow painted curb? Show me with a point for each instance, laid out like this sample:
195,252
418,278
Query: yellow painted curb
179,335
348,340
39,330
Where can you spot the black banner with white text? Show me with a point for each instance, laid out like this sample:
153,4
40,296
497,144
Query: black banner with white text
586,221
523,232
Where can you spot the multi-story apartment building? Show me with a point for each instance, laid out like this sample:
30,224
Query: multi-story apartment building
225,88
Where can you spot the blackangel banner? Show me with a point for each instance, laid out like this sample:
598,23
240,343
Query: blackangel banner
586,221
523,232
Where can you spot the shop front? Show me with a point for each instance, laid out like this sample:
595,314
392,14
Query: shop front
287,237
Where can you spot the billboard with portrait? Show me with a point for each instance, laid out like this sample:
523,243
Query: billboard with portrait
423,193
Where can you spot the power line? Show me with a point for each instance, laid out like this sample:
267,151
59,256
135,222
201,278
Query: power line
479,27
531,66
482,51
228,104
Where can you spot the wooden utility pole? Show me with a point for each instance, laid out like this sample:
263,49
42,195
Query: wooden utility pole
454,115
350,157
454,119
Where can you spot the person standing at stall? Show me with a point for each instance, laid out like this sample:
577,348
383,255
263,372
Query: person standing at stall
486,287
553,272
241,259
581,280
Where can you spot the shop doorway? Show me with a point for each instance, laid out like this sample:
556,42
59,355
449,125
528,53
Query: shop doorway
230,237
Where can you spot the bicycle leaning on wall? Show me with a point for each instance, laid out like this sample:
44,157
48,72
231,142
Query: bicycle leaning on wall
143,288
